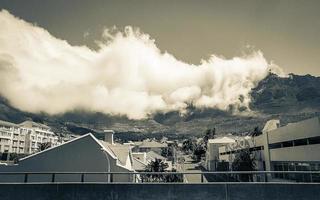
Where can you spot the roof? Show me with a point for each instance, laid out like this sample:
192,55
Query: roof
137,143
138,164
152,144
31,124
5,123
120,151
151,155
222,140
76,139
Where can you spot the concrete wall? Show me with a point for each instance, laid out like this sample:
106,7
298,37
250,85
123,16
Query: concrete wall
299,130
306,153
243,191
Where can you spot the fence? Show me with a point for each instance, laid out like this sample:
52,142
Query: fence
162,177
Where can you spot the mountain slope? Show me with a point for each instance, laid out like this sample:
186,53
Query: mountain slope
291,99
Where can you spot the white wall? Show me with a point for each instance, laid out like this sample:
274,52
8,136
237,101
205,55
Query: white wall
307,153
300,130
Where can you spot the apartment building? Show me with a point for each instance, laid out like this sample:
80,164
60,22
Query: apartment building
293,147
24,138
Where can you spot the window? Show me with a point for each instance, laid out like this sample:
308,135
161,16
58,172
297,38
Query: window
314,140
287,144
300,142
275,145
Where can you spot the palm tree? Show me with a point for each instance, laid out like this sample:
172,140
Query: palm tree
156,165
43,146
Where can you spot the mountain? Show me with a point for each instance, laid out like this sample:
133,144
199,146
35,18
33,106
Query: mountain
290,99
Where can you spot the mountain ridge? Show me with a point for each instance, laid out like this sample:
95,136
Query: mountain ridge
291,98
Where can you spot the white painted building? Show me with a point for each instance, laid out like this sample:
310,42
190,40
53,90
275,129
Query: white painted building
24,138
294,147
212,154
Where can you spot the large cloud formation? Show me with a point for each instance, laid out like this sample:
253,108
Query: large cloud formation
128,74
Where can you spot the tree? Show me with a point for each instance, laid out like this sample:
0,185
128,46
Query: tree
256,132
156,165
14,157
209,134
159,166
244,162
170,151
188,145
43,146
199,151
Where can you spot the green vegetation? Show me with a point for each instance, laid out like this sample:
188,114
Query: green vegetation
43,146
159,166
244,161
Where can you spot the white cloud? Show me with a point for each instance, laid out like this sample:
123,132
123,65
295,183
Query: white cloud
128,75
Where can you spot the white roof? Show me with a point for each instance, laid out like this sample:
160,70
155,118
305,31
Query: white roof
138,164
151,155
222,140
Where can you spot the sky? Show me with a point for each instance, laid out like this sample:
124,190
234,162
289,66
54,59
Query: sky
287,32
137,58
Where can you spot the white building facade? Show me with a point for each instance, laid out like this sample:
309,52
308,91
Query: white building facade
294,147
25,138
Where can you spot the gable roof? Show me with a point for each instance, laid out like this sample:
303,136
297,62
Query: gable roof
138,164
151,155
120,151
71,141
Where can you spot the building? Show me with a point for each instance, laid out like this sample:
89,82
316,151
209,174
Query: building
212,153
149,145
293,147
83,154
142,159
24,138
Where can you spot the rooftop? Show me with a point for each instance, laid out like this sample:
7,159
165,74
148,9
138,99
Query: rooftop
8,124
32,124
222,140
152,144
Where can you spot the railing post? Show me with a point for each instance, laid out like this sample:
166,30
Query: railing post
82,177
201,177
111,178
26,177
53,177
266,177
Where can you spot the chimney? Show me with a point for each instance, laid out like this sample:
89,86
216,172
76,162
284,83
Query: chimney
108,136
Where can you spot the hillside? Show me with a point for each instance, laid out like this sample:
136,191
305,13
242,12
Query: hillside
291,99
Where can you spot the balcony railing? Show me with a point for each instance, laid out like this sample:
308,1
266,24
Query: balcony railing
162,177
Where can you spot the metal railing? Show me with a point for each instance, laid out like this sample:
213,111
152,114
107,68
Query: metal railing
163,177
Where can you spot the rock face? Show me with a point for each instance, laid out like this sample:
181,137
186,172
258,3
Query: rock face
291,99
